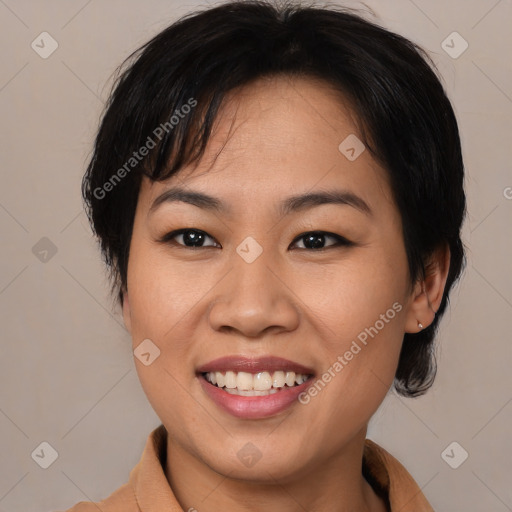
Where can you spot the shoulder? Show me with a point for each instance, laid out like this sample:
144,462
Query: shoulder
147,481
121,500
390,478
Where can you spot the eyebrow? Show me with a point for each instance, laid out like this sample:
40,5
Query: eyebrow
289,205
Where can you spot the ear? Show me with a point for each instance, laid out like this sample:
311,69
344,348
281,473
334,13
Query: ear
126,311
428,291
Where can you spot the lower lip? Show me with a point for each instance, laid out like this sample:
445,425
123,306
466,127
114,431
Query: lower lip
254,407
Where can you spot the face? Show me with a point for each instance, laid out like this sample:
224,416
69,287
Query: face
322,285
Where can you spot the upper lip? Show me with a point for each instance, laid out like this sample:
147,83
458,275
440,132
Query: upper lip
254,365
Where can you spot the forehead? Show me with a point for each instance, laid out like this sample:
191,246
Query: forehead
282,112
280,135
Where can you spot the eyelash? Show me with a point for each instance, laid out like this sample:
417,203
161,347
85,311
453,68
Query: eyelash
340,241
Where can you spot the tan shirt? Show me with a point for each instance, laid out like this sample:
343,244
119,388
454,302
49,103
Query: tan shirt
148,489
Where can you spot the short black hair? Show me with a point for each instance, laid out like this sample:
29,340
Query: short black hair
167,94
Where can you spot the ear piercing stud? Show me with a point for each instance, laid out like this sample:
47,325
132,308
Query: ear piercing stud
420,325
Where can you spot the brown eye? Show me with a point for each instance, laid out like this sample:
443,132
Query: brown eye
195,238
315,240
189,238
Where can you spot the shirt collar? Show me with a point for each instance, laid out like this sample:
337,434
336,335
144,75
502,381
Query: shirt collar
385,473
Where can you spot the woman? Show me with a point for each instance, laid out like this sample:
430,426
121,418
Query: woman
278,193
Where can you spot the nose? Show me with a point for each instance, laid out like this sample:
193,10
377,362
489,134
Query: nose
255,298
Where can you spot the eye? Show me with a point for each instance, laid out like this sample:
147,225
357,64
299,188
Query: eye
314,240
194,237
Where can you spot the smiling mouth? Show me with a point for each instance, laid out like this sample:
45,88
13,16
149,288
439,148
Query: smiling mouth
255,384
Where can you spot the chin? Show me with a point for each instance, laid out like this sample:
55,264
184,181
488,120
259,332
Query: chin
265,471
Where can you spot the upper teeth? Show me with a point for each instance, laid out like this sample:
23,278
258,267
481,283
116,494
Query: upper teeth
262,381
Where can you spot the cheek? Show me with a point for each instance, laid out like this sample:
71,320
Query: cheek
168,300
351,296
358,373
162,298
162,292
360,315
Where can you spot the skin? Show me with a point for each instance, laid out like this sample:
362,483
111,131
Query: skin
274,138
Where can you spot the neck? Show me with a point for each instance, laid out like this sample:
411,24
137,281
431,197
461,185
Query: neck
336,484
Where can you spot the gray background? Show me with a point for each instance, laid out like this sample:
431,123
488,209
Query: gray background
68,375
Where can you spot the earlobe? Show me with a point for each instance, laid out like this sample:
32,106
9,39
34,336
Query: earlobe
428,292
126,311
